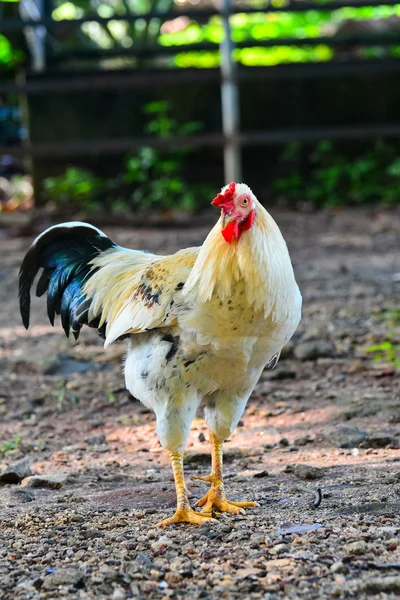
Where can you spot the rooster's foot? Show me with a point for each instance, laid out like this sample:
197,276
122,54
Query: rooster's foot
187,515
215,499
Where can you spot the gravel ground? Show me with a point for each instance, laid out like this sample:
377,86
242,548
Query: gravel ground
95,481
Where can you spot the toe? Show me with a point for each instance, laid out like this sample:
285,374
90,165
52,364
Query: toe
187,516
230,507
244,504
202,501
206,478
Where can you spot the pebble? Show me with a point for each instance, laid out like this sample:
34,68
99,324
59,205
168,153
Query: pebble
45,481
69,576
280,372
96,440
314,349
380,440
388,585
13,497
339,567
173,577
345,436
303,441
280,549
308,472
355,548
260,474
16,472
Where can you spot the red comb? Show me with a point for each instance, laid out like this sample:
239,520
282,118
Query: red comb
227,196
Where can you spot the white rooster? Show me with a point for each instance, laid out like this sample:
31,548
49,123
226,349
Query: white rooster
202,323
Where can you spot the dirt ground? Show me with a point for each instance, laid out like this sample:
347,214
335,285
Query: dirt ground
327,418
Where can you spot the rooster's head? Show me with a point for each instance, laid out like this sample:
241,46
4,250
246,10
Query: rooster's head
238,205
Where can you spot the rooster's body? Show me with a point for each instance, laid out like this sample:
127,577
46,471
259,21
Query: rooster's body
202,323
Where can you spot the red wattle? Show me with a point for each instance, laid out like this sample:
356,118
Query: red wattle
231,231
235,228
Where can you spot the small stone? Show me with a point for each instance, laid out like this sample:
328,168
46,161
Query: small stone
69,576
303,440
45,481
96,440
355,548
380,440
280,372
339,567
313,350
144,560
119,594
280,549
250,572
383,584
308,472
260,474
9,498
279,563
344,436
161,544
173,577
16,472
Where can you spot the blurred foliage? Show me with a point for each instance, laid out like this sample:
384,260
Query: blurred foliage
77,188
245,28
260,26
388,350
333,178
12,444
10,56
149,178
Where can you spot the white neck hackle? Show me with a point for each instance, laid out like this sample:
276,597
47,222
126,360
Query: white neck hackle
260,257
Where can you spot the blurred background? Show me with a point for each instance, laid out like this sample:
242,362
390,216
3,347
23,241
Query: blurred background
120,106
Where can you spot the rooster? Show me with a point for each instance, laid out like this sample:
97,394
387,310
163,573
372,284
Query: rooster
202,323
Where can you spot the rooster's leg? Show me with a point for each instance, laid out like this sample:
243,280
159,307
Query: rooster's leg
184,513
215,499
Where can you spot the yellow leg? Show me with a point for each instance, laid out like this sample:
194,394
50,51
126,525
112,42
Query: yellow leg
183,514
215,499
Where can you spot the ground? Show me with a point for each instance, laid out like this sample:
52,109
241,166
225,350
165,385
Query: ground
328,418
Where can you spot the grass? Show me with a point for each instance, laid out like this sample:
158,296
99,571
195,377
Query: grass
12,444
388,351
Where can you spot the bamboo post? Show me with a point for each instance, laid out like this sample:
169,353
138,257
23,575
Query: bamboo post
230,102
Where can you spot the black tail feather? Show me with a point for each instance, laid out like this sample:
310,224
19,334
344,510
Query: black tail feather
64,252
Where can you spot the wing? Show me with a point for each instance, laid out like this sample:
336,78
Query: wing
134,300
90,280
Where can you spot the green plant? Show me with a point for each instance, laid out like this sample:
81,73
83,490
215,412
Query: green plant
336,178
77,187
156,174
13,444
388,350
149,178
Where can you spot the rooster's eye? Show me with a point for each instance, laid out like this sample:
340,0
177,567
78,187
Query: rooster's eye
244,202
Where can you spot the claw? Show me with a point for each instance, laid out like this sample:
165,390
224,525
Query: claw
206,478
215,501
188,515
